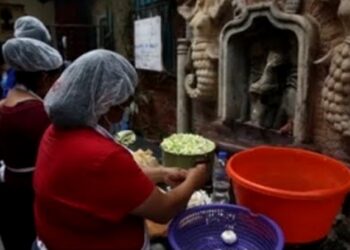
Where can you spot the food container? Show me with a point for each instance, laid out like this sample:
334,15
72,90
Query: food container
186,161
201,150
301,190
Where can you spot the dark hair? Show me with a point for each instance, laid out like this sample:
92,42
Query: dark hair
31,79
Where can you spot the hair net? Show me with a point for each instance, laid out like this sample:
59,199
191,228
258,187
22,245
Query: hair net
31,27
89,87
30,55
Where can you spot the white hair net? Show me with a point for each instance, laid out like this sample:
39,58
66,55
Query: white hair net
31,27
89,87
30,55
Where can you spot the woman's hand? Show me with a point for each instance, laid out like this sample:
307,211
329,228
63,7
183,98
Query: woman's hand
198,176
161,207
168,175
175,176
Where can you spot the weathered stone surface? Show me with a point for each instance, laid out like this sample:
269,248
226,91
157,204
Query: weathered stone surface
324,14
157,108
206,19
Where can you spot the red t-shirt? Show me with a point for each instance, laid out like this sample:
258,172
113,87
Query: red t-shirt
21,129
85,187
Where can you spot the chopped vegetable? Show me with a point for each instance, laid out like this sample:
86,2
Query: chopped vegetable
145,158
187,144
126,137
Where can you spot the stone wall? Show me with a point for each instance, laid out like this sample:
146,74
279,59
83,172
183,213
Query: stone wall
330,32
156,116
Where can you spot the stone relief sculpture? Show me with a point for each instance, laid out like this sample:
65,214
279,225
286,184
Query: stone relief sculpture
336,90
292,6
265,72
267,85
206,18
273,75
272,95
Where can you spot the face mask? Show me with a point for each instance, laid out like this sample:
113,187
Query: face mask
3,80
114,129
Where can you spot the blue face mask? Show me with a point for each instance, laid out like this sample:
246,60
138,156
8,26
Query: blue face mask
114,129
111,127
124,123
4,80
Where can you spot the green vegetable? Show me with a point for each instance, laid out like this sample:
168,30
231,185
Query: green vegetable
126,137
187,144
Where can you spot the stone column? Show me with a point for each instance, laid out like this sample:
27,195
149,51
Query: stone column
183,102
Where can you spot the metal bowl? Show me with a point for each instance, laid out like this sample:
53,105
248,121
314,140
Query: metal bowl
186,161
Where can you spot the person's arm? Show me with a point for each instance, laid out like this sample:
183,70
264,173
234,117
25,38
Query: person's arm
155,174
124,189
162,207
162,174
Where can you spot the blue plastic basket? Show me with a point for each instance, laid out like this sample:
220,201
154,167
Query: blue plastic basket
200,228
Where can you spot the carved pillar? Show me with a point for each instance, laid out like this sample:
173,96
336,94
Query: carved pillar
183,106
205,19
292,6
336,90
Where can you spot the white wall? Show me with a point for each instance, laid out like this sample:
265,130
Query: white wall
45,12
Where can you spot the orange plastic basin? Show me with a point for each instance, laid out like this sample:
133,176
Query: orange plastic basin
302,191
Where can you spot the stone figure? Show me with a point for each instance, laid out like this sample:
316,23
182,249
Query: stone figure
336,90
206,19
272,94
265,86
292,6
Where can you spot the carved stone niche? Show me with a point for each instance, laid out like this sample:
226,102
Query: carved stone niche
264,80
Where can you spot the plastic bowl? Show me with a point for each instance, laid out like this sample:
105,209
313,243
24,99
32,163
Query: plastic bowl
302,191
200,228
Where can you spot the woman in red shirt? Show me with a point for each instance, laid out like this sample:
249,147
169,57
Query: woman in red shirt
23,121
90,193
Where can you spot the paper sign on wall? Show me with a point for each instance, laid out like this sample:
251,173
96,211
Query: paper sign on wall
148,44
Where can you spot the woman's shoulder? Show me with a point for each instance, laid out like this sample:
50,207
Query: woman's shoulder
31,104
81,147
26,116
84,139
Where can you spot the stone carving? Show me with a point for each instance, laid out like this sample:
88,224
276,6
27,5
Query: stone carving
264,70
272,95
292,6
206,18
336,91
238,8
